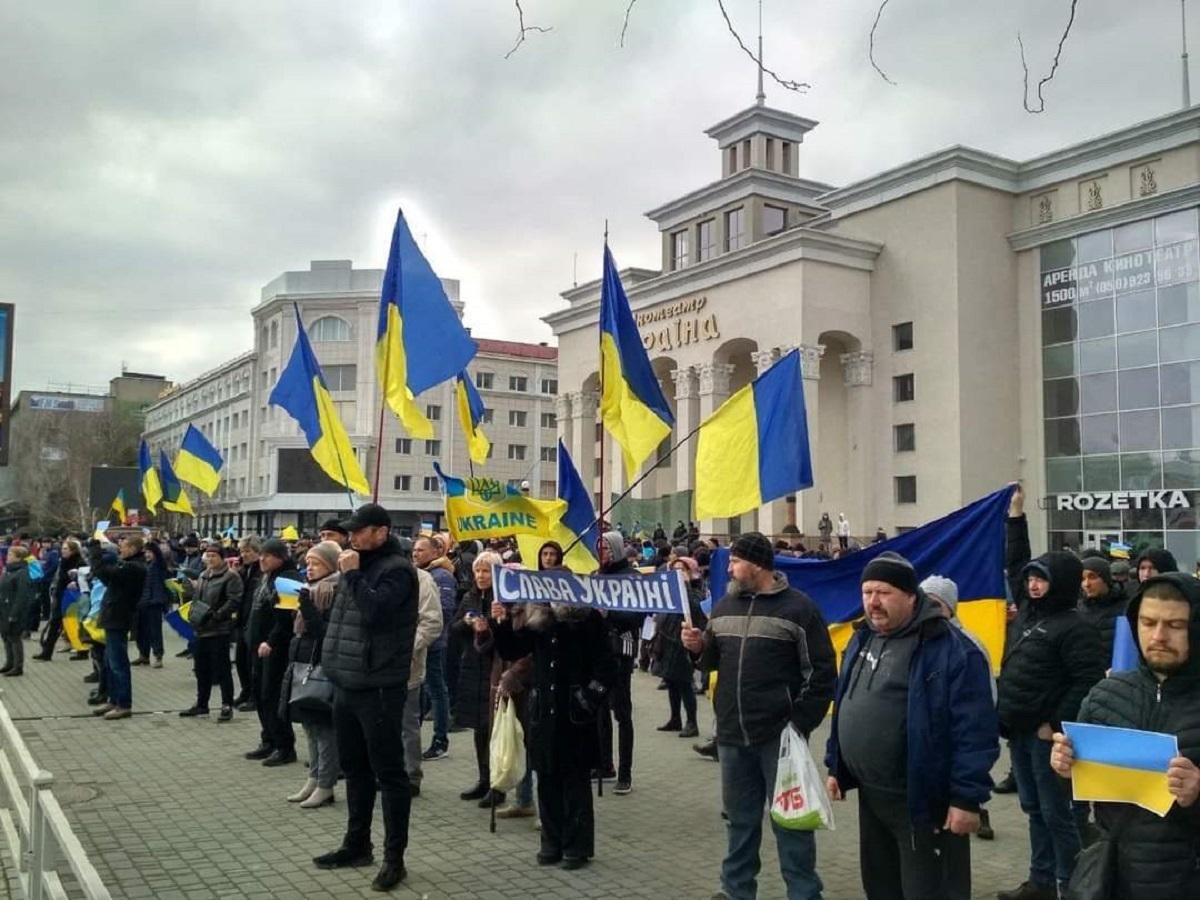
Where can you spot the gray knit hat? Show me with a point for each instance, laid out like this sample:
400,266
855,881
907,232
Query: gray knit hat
938,587
327,552
615,544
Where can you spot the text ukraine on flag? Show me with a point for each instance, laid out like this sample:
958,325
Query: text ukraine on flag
485,507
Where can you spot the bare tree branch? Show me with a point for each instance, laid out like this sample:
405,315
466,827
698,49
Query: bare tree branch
1053,66
625,27
798,86
871,51
525,29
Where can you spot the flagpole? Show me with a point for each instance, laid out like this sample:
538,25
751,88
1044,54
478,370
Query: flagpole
383,388
600,364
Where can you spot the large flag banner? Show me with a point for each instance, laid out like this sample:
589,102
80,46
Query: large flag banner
754,448
661,592
175,498
178,620
966,546
419,341
487,508
198,462
632,405
470,416
1121,765
576,529
303,394
151,486
74,606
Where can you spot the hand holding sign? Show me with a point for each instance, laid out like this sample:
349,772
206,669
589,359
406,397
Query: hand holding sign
498,612
692,638
1183,780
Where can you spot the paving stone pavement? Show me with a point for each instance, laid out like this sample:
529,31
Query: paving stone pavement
167,808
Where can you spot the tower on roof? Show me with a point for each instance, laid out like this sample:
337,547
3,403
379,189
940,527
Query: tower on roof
760,137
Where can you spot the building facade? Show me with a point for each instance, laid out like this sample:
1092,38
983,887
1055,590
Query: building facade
269,479
964,320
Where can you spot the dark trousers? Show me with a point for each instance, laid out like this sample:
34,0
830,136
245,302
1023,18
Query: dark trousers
565,806
620,703
116,661
370,742
682,692
454,653
210,660
900,862
53,631
843,542
1046,800
14,649
101,670
241,657
276,732
483,758
149,631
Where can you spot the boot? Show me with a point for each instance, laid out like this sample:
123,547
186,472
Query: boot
672,725
320,797
689,731
491,797
708,750
475,793
304,793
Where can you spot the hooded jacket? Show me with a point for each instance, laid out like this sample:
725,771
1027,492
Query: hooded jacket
1103,612
1157,858
774,661
1054,656
442,572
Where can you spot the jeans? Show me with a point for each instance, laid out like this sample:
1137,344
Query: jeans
369,742
149,631
323,763
747,781
435,686
620,702
116,660
100,668
1046,799
210,661
412,734
525,787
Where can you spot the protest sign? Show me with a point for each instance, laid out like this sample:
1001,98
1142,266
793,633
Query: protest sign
1121,765
662,592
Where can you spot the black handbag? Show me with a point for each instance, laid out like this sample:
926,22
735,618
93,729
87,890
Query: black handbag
310,696
1095,875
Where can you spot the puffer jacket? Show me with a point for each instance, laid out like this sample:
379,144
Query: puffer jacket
222,591
1055,655
1157,858
1103,612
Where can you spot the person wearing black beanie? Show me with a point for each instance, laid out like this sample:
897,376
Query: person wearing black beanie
1155,561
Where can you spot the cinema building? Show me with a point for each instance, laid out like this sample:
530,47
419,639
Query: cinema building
963,320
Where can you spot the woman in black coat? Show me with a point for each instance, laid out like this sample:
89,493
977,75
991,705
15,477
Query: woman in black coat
472,704
151,608
675,663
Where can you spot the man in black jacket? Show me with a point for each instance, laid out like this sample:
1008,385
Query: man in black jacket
1103,601
1052,661
775,666
623,631
250,572
270,633
1158,858
367,654
123,580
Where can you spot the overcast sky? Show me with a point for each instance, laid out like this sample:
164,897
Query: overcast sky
161,161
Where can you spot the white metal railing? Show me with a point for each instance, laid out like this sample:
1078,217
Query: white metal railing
36,829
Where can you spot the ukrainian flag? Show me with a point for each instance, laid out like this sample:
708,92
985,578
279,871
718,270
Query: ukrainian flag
420,341
470,414
1121,765
74,606
632,405
175,498
577,525
178,620
151,486
302,393
966,546
754,449
198,462
287,592
118,504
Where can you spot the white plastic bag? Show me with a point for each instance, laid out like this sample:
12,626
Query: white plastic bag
799,802
507,747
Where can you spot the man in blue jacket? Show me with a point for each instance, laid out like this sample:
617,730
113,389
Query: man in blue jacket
914,729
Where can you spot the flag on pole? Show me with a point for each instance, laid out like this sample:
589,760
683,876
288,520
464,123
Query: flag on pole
470,414
198,462
632,405
754,448
118,505
175,498
420,341
151,486
577,525
487,508
303,394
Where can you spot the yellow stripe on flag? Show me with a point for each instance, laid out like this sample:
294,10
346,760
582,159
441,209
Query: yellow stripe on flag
727,459
392,365
633,425
1102,782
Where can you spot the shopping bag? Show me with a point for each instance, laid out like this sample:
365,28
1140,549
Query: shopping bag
507,750
799,802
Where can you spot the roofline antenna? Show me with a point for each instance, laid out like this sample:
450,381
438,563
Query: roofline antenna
761,97
1187,81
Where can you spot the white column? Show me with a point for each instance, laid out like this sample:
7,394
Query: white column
858,370
563,420
687,417
807,514
714,390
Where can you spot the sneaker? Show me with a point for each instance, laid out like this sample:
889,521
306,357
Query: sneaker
157,664
623,786
1008,785
118,712
515,812
77,655
193,711
1030,891
390,875
344,858
226,714
103,710
437,750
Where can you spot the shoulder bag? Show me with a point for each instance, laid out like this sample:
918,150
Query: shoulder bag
1095,875
310,696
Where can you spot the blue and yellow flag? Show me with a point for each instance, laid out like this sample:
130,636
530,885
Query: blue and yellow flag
487,508
1121,765
966,546
577,525
754,448
302,393
118,505
175,498
178,620
470,414
632,405
420,340
198,462
151,486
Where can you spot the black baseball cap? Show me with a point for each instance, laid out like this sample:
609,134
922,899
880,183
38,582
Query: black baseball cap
333,525
368,515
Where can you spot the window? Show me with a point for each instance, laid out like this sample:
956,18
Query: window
491,450
733,166
549,420
483,380
431,484
902,336
745,154
404,445
274,375
274,334
785,158
706,240
264,336
550,386
341,378
518,383
549,454
433,412
735,229
905,437
548,489
245,447
488,415
433,448
770,153
774,219
679,249
516,451
516,418
330,328
906,488
402,483
902,388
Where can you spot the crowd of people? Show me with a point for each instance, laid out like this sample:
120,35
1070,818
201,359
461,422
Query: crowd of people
386,633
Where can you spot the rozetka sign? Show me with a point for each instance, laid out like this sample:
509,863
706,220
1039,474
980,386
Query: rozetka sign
1110,500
